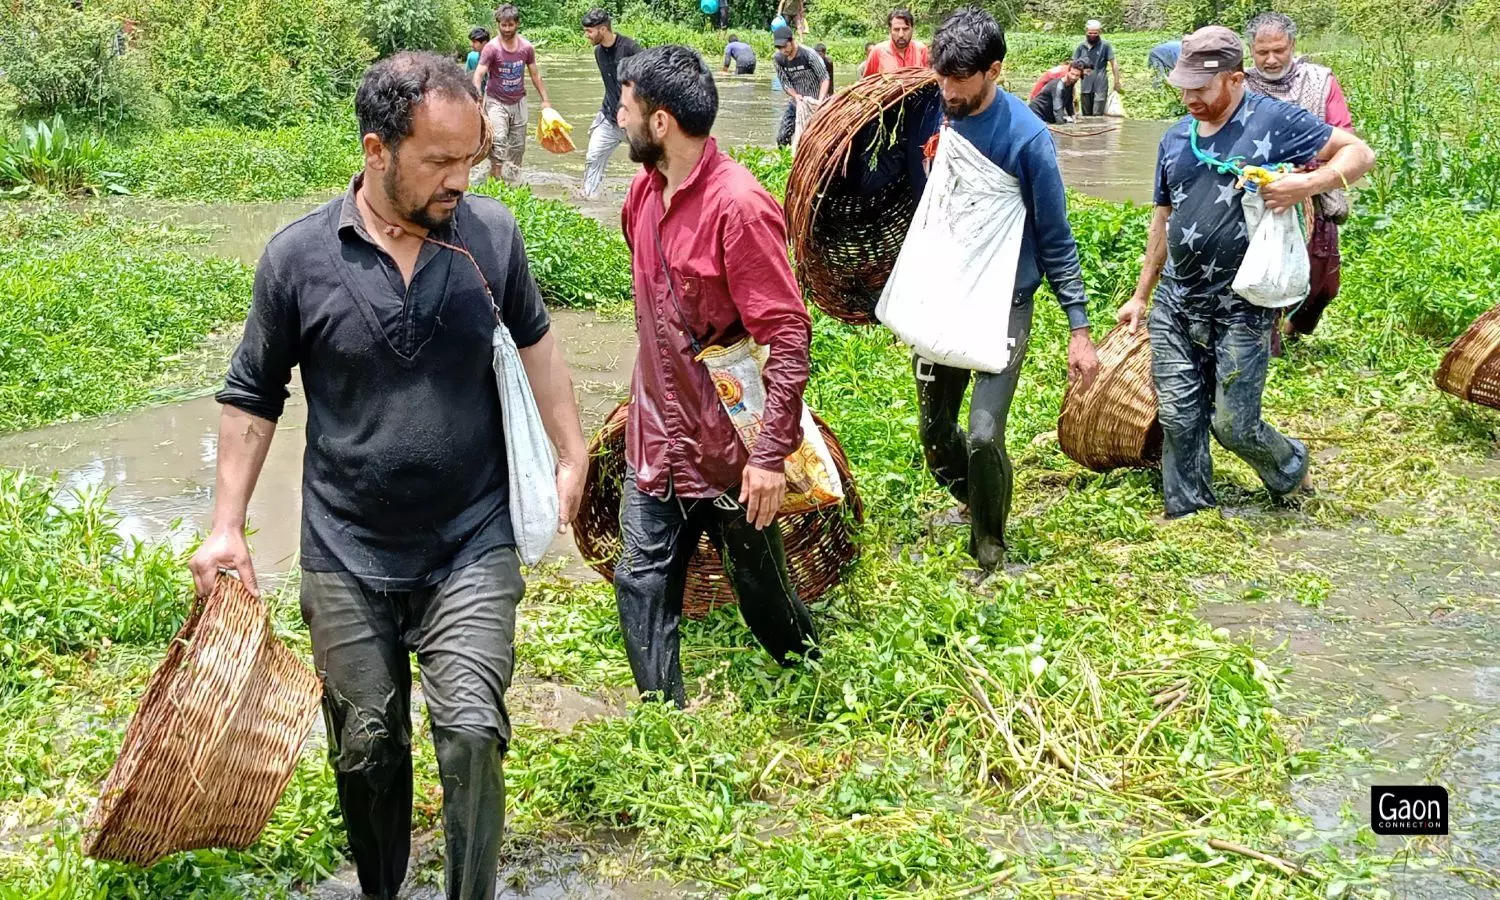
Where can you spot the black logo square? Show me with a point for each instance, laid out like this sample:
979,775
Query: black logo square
1405,809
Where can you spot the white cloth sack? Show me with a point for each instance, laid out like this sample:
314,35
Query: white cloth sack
1275,271
529,455
1116,105
806,106
949,296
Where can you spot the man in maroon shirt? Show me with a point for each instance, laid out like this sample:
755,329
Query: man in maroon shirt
708,255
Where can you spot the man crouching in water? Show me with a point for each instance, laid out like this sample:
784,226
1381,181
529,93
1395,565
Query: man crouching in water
708,255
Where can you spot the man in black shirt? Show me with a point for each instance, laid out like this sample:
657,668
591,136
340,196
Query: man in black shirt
1054,104
605,134
387,298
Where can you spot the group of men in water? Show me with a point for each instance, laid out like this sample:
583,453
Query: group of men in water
388,298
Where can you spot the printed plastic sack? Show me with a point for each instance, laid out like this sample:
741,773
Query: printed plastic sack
812,480
1116,105
529,456
806,106
1275,270
949,295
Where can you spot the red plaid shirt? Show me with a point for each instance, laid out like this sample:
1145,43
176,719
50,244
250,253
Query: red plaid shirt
724,241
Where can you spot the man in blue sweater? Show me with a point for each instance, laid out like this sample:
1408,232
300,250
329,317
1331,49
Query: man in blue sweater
967,54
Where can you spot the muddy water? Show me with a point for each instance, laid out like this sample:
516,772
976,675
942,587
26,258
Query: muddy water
159,462
1396,680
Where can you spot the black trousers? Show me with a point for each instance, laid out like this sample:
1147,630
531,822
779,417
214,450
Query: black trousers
788,125
974,467
660,537
462,631
1093,103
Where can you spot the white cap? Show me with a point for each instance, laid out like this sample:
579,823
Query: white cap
1093,25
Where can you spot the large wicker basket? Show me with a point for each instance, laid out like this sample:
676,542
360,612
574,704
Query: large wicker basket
215,739
1113,422
1471,369
845,236
819,544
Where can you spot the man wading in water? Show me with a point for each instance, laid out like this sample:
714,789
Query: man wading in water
967,53
605,134
406,533
1210,347
708,255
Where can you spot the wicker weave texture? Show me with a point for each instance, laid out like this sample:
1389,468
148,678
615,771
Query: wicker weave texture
1471,368
214,741
819,544
846,236
1113,422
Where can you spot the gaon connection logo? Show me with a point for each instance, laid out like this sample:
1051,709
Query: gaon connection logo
1405,809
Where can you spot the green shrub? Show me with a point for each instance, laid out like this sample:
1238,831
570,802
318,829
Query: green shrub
253,62
48,159
93,306
242,164
55,59
576,261
770,167
438,25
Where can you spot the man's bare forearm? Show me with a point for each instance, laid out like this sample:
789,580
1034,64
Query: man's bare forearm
553,388
1156,255
244,441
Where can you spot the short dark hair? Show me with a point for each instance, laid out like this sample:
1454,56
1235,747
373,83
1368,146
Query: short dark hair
479,34
508,13
674,79
821,49
596,17
734,39
1079,64
392,89
967,43
903,14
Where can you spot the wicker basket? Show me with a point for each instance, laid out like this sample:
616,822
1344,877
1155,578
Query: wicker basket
214,741
1471,370
845,238
1112,423
819,544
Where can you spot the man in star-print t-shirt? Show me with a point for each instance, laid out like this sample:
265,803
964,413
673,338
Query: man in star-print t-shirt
1210,347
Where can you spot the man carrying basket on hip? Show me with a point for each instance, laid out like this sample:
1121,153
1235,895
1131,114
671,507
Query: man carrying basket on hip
708,254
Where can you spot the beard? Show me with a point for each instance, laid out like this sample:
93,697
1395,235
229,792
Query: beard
962,109
644,149
416,210
901,43
1277,75
1093,40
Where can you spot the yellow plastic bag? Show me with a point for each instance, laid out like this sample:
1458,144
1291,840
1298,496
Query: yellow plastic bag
812,479
553,132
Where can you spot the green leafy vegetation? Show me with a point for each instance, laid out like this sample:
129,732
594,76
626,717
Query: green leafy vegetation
1070,727
94,308
215,163
576,261
48,159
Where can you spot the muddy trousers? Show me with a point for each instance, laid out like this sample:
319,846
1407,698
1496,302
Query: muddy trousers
660,537
974,465
1210,373
462,631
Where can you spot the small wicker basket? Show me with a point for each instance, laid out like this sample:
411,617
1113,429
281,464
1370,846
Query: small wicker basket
1471,368
214,741
845,238
1113,422
819,543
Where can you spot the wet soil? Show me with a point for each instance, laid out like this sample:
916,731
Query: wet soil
1394,679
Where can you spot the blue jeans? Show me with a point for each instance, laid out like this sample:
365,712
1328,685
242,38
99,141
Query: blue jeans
1210,373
